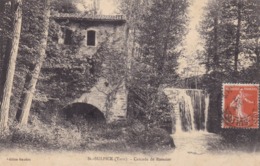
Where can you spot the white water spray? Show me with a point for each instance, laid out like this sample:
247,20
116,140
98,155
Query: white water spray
190,109
206,110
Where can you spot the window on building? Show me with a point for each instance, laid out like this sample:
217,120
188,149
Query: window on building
68,36
91,38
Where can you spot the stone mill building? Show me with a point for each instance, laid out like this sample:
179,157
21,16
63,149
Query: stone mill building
107,99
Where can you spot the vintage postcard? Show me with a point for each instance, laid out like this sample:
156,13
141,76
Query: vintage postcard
129,82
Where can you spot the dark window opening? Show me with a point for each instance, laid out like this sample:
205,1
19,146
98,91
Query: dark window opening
91,38
68,37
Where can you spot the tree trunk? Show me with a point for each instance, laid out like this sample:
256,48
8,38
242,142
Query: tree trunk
133,42
4,66
126,45
26,105
216,58
257,60
239,17
257,53
2,9
5,45
2,36
7,90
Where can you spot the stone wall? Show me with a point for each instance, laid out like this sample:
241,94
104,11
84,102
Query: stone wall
98,96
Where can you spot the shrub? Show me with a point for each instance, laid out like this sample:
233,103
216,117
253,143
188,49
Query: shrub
44,136
112,134
148,138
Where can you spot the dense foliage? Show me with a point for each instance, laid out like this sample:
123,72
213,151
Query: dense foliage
230,30
156,35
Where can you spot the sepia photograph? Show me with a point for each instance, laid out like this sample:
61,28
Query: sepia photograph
129,82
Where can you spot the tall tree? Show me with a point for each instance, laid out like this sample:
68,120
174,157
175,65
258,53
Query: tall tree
218,42
66,6
238,33
250,30
133,10
7,89
29,93
232,38
159,34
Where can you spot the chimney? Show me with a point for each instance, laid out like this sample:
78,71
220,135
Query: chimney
96,6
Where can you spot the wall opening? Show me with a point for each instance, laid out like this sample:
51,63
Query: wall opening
68,36
91,38
83,113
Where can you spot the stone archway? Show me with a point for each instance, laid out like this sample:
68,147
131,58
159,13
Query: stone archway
83,111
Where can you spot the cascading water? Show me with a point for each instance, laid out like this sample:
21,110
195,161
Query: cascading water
190,109
186,111
206,110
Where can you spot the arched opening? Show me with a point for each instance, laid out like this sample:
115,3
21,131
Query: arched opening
83,113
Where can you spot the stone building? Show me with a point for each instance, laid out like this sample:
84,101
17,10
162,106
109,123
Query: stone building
96,30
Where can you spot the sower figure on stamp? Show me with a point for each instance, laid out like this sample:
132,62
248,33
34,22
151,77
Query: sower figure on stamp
237,103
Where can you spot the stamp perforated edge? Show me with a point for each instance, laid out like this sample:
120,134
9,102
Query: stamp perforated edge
222,107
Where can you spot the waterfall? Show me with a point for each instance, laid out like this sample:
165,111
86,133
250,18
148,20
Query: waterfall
190,109
186,111
206,110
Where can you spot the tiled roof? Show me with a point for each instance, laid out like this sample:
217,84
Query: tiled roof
88,17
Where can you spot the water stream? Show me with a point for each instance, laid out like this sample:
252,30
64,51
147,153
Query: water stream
190,116
198,142
190,109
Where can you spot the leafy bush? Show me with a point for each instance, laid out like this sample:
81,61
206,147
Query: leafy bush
44,136
154,138
112,134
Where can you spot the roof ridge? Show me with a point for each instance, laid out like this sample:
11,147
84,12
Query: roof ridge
88,16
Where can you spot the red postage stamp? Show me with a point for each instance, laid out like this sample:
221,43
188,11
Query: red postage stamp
240,106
